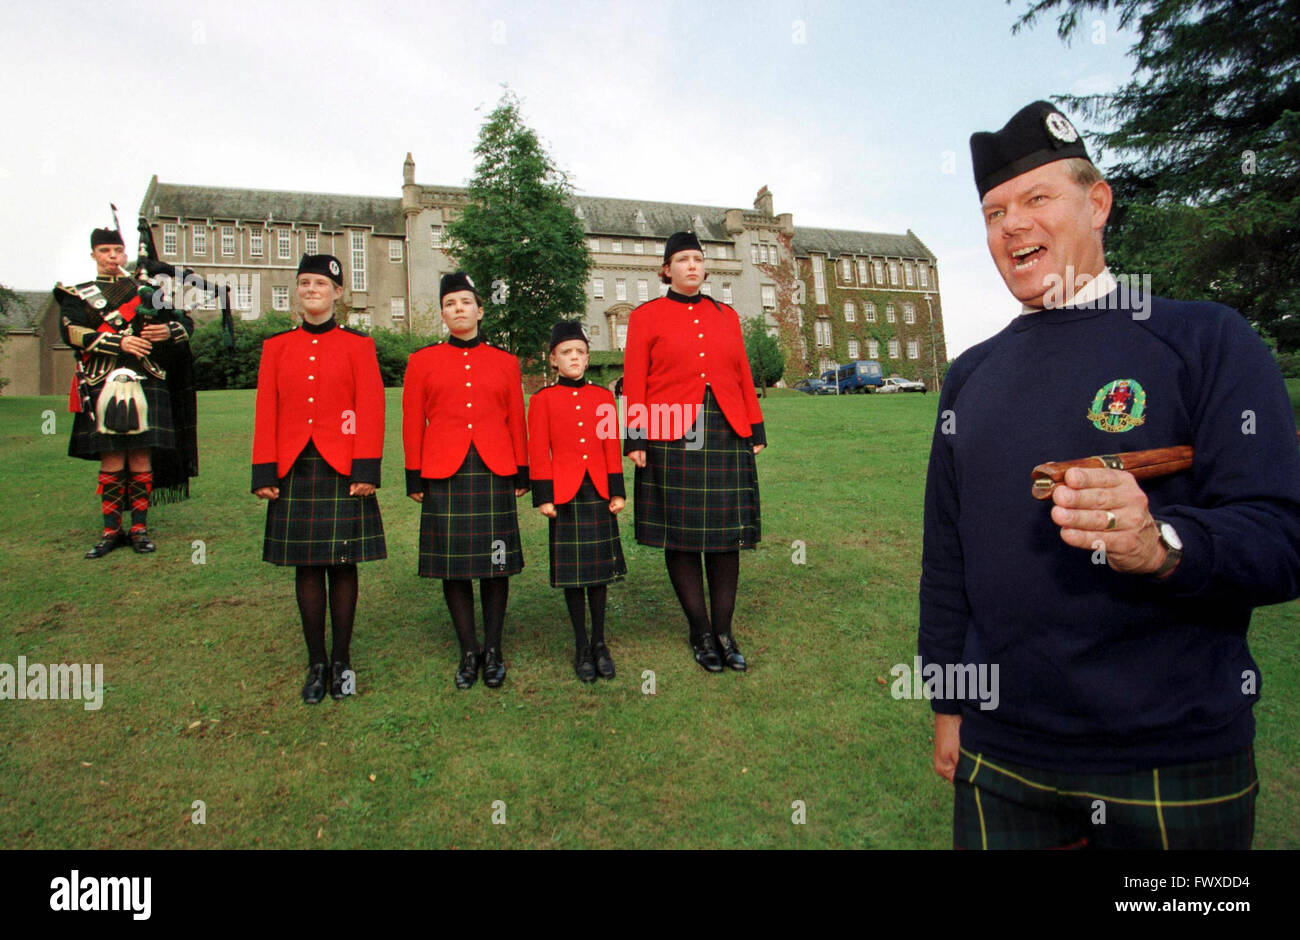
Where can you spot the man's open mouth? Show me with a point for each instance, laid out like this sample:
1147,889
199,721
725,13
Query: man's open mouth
1027,257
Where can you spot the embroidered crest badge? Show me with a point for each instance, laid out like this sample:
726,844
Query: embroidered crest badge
335,269
1059,126
1119,406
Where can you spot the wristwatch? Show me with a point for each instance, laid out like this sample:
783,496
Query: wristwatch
1173,549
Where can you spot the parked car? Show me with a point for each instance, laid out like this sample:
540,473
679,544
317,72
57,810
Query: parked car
809,386
896,384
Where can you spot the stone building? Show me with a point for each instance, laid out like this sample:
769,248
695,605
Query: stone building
830,296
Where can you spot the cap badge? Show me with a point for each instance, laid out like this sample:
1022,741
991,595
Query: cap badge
1059,126
335,269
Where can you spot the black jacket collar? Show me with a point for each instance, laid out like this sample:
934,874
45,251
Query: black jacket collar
319,327
571,383
465,343
682,298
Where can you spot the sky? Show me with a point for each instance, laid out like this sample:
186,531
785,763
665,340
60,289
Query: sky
857,115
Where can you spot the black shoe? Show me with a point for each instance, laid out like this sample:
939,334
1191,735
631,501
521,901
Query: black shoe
141,542
706,652
468,671
336,681
584,665
604,662
494,669
730,653
107,544
314,691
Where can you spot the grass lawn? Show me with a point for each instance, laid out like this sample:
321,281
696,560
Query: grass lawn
203,664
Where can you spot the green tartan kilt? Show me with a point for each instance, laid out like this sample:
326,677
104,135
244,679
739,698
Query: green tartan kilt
89,443
315,522
585,546
469,527
1204,805
703,499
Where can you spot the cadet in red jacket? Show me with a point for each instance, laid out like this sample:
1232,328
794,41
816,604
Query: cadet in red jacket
466,461
693,429
317,443
577,479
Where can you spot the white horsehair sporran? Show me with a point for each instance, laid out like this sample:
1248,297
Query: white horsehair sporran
121,407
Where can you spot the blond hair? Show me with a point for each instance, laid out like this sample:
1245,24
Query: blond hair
1083,171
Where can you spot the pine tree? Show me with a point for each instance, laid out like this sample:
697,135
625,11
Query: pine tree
518,239
1207,132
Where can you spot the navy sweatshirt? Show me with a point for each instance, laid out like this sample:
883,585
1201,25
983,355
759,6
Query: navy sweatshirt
1098,670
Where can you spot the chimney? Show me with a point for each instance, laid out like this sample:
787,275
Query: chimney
763,201
408,171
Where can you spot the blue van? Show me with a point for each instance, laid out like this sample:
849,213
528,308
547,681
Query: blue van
860,377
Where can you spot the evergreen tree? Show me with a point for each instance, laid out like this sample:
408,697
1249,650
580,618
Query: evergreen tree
766,361
518,238
1207,132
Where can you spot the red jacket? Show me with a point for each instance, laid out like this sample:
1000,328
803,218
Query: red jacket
676,346
573,433
319,384
459,393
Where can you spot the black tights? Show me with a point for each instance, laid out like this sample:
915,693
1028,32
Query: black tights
578,617
310,586
493,592
685,572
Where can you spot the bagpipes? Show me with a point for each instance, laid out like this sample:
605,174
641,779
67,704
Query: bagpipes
1143,464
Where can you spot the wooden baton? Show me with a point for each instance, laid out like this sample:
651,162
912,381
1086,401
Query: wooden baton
1143,464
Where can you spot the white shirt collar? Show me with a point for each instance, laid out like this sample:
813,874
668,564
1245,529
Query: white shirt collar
1099,286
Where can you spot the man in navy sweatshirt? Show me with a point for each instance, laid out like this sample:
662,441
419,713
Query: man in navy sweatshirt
1111,619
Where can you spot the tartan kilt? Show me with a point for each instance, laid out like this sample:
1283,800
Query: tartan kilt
701,500
1203,805
463,518
585,547
316,522
88,443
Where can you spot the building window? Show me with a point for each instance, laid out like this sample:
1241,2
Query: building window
720,251
282,241
395,249
638,247
436,232
598,288
616,247
869,312
850,312
769,297
889,314
873,349
663,289
640,221
893,273
706,289
397,308
726,292
659,249
620,333
909,313
879,268
169,238
846,271
593,244
244,298
279,298
753,252
862,271
908,276
819,279
642,290
799,313
893,349
313,243
255,242
620,288
359,319
227,239
853,349
358,260
822,330
913,349
200,239
923,272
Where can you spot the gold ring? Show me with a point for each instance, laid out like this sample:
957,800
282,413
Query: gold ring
1110,520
